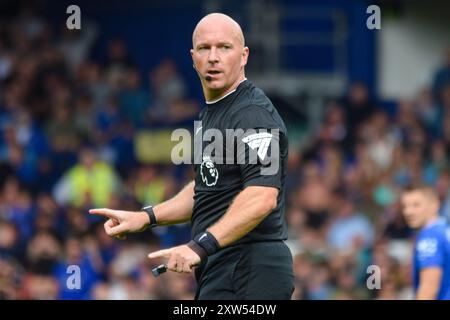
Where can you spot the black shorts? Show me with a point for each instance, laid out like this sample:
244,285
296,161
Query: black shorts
251,271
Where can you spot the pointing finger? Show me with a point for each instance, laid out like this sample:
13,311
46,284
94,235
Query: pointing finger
104,212
161,253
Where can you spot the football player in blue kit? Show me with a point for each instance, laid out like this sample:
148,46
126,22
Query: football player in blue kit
431,264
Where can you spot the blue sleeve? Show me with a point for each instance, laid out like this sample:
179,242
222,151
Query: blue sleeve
430,250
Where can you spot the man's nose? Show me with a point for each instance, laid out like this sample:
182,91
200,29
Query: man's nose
213,57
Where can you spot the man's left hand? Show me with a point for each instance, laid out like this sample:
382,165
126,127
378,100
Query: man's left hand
180,259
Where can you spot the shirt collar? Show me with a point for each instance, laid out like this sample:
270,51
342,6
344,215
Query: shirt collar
217,100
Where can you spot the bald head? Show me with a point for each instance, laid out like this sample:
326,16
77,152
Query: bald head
220,21
219,54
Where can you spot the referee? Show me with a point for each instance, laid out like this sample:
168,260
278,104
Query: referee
236,209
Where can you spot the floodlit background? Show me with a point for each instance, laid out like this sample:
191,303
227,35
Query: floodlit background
86,117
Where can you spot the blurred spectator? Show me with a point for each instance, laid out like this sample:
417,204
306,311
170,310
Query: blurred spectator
84,116
118,59
17,207
76,44
333,128
43,252
6,62
442,78
349,230
90,183
395,226
63,131
428,111
314,198
75,255
11,273
169,102
39,287
443,190
67,129
151,187
381,141
358,108
8,240
91,80
134,100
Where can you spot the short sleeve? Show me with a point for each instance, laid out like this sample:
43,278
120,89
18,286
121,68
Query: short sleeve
430,251
259,147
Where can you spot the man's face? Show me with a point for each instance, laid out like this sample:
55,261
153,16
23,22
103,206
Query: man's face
418,208
218,53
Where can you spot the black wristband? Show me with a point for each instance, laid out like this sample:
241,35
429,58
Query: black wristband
151,216
207,242
198,250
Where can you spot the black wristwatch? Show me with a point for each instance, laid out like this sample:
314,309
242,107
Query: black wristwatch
151,216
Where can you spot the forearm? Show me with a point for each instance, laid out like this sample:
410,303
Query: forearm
177,209
427,292
248,209
430,281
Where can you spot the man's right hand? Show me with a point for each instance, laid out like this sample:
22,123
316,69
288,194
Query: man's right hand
122,222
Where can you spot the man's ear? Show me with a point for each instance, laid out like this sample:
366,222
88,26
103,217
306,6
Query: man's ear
245,53
435,205
192,56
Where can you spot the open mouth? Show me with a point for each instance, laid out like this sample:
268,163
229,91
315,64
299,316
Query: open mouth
213,72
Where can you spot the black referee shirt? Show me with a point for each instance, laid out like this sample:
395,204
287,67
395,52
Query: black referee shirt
217,184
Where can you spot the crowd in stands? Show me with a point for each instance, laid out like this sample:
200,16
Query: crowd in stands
67,128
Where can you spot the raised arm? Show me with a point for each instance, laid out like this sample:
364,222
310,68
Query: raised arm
175,210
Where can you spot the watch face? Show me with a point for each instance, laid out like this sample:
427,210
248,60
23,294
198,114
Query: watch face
151,215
